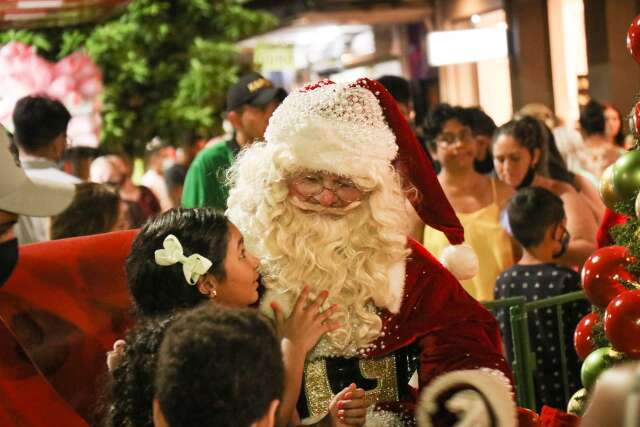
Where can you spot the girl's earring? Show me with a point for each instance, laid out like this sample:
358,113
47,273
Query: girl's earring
213,294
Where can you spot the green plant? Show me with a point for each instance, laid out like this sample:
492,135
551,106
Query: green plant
166,65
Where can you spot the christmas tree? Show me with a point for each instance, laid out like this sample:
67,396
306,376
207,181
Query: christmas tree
610,334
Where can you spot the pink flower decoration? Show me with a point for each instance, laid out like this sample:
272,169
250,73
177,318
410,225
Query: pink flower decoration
75,80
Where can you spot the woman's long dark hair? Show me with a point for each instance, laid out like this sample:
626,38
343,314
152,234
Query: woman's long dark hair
618,138
532,134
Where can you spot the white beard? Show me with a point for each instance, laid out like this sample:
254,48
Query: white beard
350,256
358,257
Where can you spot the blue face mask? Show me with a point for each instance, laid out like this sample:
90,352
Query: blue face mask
564,244
8,259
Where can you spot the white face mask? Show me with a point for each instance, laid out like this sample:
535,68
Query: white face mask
167,163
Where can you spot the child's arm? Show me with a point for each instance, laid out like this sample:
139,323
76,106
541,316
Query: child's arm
299,333
582,229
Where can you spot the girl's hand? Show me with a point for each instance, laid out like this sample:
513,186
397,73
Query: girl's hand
307,323
348,408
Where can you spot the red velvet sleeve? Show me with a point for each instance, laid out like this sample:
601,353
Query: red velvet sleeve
453,330
466,335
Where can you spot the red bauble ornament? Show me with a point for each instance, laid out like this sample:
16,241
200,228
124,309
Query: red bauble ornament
602,271
633,39
634,120
622,323
583,336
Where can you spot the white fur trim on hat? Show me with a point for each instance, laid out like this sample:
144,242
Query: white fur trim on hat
461,261
338,128
492,384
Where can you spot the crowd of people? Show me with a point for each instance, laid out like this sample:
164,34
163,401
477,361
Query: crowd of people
323,235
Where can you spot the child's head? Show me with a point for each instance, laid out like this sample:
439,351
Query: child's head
536,217
130,393
218,367
231,278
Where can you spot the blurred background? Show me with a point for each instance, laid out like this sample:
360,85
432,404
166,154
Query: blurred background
164,65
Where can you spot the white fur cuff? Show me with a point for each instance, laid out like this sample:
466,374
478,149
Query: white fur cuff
493,385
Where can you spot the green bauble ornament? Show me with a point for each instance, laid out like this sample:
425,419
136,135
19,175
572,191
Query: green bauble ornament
595,363
607,191
626,175
578,402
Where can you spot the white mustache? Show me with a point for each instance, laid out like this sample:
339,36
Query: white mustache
318,208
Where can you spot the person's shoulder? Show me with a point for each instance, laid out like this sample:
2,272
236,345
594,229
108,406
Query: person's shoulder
560,188
53,174
570,278
213,153
583,183
507,274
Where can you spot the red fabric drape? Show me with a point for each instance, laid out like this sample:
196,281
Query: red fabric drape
64,305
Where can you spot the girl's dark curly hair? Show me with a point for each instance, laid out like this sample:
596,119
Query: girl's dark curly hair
130,391
218,367
162,289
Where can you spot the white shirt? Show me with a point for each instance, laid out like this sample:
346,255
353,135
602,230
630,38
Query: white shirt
31,229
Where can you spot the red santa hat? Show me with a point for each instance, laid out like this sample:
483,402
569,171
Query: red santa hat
357,130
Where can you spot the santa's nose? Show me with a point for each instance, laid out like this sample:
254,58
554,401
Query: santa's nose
326,198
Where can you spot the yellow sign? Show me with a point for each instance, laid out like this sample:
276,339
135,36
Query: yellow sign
274,57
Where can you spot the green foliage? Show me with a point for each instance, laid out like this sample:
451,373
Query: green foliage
52,43
37,39
166,65
599,339
627,234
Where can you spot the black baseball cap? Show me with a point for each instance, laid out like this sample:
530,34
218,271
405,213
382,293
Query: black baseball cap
253,89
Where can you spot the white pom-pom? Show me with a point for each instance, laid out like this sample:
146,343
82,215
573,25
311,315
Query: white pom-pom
461,261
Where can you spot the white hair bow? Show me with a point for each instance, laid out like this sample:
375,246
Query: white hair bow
193,266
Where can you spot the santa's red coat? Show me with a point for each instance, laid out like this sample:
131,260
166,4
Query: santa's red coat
452,329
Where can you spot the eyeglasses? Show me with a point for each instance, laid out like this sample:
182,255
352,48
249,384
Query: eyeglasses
446,140
310,185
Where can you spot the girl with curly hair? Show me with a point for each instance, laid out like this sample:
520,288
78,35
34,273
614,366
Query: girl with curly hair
185,257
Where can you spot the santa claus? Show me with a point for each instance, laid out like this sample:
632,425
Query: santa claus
323,201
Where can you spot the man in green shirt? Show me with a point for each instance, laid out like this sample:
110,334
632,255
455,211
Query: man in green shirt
250,103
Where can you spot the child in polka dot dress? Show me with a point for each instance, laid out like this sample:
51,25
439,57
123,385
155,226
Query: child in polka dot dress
537,221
